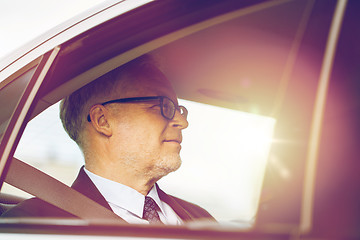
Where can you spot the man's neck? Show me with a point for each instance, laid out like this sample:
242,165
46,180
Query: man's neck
142,184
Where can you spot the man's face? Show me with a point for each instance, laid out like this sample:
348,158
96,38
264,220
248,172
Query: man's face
142,138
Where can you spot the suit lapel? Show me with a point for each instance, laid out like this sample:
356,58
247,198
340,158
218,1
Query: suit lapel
180,211
84,185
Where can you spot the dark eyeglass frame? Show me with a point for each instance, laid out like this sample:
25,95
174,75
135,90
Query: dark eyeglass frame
183,111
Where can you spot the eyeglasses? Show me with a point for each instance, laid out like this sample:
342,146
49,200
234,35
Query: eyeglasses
167,106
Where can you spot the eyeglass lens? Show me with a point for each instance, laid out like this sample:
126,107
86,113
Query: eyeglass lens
169,109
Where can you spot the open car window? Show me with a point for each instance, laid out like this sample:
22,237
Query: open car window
225,154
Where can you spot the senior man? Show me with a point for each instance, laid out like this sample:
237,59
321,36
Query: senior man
128,125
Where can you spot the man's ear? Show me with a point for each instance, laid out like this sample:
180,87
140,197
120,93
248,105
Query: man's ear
99,116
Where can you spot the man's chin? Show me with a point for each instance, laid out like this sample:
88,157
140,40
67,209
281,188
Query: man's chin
170,163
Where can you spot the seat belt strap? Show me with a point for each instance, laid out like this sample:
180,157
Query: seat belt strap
47,188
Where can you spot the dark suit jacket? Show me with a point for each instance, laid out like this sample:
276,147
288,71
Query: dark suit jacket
36,207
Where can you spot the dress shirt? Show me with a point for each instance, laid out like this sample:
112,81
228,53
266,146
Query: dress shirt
128,203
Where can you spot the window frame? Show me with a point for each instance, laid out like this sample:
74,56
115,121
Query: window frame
23,112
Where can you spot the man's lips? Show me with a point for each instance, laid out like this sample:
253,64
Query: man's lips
174,140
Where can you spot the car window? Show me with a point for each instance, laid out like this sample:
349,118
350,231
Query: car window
221,147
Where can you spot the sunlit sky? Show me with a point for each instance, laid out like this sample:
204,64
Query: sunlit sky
241,140
23,20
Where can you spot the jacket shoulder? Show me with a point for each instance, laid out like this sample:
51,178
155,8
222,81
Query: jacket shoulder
196,211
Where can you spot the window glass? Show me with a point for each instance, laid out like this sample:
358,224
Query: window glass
11,95
224,154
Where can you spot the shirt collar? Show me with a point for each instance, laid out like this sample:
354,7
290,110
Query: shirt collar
115,193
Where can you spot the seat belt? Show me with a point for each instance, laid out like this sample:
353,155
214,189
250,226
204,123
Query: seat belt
47,188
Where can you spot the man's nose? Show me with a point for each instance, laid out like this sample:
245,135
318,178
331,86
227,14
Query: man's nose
179,121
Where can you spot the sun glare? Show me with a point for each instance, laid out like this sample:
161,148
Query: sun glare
224,154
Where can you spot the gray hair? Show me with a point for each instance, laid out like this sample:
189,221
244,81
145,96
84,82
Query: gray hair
73,108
